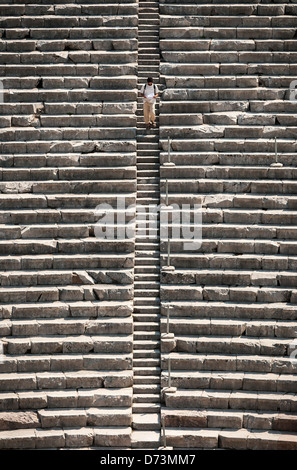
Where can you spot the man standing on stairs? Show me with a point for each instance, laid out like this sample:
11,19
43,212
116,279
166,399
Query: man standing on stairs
149,92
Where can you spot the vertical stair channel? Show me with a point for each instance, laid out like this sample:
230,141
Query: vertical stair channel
146,355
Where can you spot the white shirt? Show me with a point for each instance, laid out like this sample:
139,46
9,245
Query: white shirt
149,92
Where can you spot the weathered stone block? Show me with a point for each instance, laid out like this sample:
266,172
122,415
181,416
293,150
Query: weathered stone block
112,437
49,439
18,420
79,437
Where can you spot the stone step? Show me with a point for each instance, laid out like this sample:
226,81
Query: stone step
234,327
21,295
154,277
147,15
145,439
148,24
64,43
234,172
144,361
68,363
146,398
87,33
145,314
242,294
148,141
63,21
260,246
150,326
147,301
233,345
70,68
110,437
146,191
146,186
146,270
52,398
146,353
148,371
149,174
46,204
149,50
69,344
52,95
65,246
64,309
150,380
220,44
66,326
217,9
36,9
204,439
143,421
143,255
65,277
85,417
146,62
243,400
255,231
209,32
231,380
229,219
145,344
225,159
147,247
146,408
71,187
145,389
192,64
234,419
227,118
144,158
230,439
227,362
73,261
148,42
58,161
148,68
231,310
222,19
41,57
226,277
148,166
143,335
141,293
273,186
244,439
203,56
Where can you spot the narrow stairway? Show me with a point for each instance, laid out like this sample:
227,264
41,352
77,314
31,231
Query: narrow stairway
146,354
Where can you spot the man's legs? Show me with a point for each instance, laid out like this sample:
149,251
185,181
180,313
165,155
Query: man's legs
146,113
152,115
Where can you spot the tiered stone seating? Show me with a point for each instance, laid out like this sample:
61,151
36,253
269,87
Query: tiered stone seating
227,68
73,370
68,145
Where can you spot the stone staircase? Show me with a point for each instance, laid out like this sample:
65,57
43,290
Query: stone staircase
146,316
68,146
83,319
227,68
